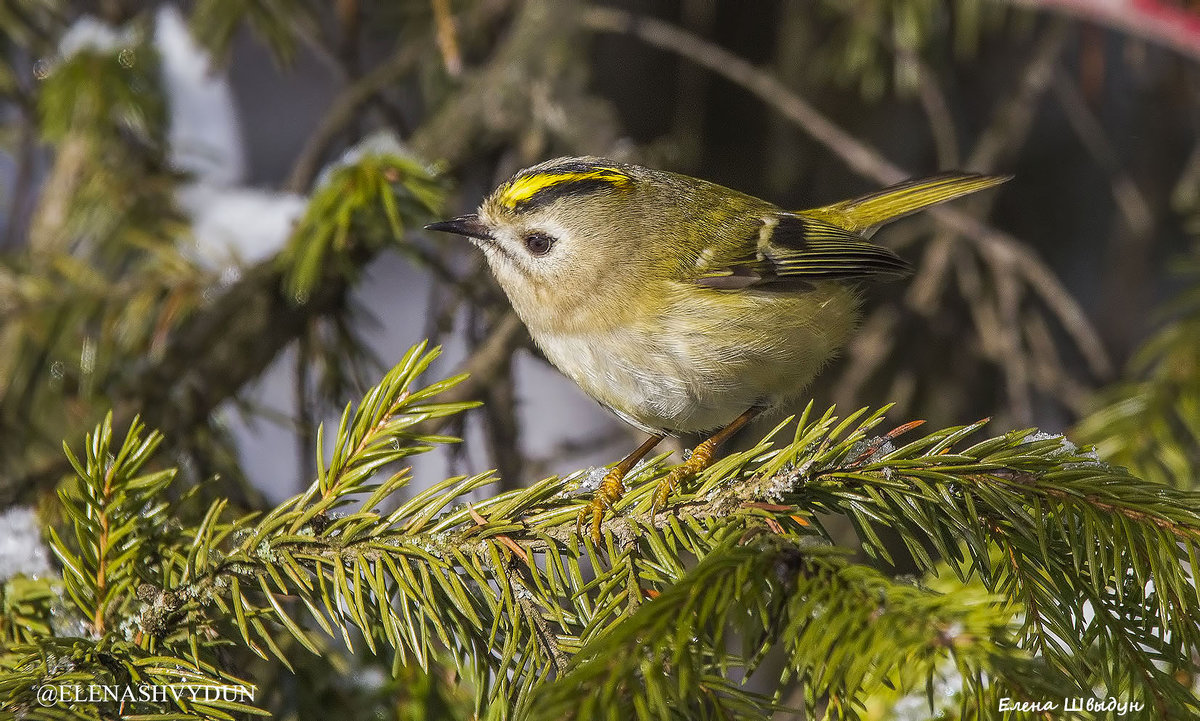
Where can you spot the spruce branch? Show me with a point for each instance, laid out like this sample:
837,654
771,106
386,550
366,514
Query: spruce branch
305,543
170,594
26,606
1036,499
74,663
118,520
844,628
1084,569
108,507
367,201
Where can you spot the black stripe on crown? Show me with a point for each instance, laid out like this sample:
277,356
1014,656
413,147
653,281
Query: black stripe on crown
537,188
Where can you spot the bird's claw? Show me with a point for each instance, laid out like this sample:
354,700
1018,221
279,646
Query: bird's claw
611,489
663,490
701,458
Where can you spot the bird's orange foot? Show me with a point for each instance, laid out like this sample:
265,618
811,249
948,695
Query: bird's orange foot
610,491
701,458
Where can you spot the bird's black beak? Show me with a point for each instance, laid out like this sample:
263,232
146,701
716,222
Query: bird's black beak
469,225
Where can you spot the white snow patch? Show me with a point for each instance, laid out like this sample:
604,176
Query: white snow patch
380,142
590,482
238,226
232,225
90,34
204,136
947,687
21,547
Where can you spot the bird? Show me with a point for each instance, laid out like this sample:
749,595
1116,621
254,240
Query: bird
682,306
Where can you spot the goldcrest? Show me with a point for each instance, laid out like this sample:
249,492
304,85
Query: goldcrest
680,305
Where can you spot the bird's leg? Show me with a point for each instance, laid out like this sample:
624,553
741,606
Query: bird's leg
613,487
702,457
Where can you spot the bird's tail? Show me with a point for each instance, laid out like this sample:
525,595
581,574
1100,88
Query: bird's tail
865,214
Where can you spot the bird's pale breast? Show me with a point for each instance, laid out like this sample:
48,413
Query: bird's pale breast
703,357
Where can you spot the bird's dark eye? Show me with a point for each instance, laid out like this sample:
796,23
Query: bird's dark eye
538,243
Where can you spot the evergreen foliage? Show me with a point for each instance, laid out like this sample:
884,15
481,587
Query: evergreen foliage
1081,572
371,198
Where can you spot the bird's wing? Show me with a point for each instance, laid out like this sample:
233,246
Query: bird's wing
790,249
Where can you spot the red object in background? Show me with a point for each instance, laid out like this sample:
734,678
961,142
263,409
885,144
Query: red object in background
1173,24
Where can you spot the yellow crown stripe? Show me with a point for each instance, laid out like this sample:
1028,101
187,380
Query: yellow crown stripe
524,188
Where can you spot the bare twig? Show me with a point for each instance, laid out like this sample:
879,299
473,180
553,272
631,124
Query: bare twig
1010,124
486,366
349,14
1015,364
1003,249
447,37
529,91
937,110
344,109
863,160
930,279
1129,198
485,362
48,226
1131,241
468,286
306,434
1012,120
502,427
1045,365
929,92
320,50
1186,193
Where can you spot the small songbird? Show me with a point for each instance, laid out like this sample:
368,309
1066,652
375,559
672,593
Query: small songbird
681,305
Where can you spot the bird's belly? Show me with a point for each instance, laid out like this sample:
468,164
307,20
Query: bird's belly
646,384
695,368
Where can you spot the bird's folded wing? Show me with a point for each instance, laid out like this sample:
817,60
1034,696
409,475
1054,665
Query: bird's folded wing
791,250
